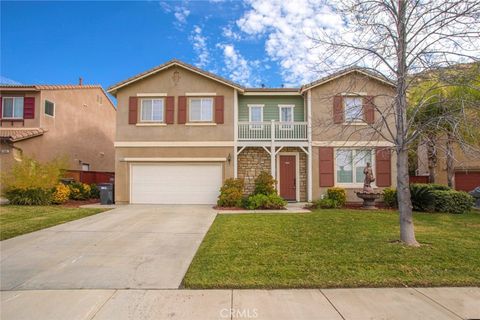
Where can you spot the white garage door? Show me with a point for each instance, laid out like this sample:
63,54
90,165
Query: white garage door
175,183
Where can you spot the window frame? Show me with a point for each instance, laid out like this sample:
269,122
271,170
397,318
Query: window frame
286,126
88,167
354,151
45,109
255,126
212,111
152,120
13,117
361,118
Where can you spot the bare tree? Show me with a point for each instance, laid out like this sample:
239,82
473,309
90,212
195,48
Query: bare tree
401,39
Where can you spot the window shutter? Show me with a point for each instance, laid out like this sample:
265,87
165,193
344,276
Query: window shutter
219,102
383,167
170,110
132,110
182,110
368,109
338,109
29,108
326,167
1,107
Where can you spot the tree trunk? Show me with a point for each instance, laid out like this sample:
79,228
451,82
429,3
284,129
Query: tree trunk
450,161
407,232
432,158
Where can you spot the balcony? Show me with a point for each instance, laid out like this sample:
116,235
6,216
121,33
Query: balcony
272,131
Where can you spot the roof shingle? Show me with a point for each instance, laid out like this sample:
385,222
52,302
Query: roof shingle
14,134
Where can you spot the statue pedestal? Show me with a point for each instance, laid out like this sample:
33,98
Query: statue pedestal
368,199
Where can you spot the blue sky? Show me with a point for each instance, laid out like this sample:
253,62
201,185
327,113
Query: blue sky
249,42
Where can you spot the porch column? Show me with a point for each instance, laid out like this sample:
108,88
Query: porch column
273,168
310,151
235,133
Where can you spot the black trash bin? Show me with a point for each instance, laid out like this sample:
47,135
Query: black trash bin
106,193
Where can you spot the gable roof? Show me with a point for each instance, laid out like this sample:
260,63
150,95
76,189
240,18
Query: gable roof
113,89
366,72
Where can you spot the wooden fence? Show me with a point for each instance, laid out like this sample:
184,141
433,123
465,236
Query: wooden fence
90,177
418,179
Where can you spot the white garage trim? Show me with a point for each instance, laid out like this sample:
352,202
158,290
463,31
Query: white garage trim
146,144
174,159
175,182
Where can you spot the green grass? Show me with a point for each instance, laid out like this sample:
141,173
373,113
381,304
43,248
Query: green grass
336,248
18,220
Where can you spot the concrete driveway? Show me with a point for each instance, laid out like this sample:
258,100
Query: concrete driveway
131,247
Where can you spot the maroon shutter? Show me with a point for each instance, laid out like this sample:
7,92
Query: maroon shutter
368,109
29,108
170,110
182,110
383,167
326,172
132,110
1,107
337,109
219,102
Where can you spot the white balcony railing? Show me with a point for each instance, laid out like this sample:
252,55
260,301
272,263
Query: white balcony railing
272,130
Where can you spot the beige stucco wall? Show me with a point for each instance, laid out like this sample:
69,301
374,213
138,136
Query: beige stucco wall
122,171
163,82
82,130
324,130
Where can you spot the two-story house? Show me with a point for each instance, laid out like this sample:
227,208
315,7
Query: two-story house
44,122
181,131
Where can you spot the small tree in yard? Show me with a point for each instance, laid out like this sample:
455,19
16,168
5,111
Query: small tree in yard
401,40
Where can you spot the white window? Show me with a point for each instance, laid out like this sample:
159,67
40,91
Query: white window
12,107
350,164
49,108
152,110
201,109
353,107
255,114
85,167
286,115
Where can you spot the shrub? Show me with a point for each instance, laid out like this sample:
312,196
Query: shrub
265,184
421,196
29,196
262,201
326,203
94,191
61,193
338,195
31,174
390,197
231,193
79,191
452,201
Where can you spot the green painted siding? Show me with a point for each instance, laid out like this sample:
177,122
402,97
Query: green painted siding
270,109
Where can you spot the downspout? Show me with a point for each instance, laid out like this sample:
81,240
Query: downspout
235,133
310,153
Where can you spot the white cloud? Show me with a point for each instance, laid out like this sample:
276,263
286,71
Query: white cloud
199,42
5,80
288,27
228,33
181,14
238,68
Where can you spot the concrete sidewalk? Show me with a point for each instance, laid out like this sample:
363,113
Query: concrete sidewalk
387,303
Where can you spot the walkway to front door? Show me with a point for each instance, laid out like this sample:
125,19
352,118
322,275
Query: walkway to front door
288,172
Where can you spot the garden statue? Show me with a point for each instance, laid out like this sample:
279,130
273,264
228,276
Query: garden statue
367,194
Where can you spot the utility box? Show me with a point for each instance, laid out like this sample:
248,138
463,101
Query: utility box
106,193
476,194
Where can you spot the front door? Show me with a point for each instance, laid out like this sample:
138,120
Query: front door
288,183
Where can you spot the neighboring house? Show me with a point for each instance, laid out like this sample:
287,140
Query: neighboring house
74,122
182,131
466,166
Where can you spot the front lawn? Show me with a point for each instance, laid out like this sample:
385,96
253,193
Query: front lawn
336,248
18,220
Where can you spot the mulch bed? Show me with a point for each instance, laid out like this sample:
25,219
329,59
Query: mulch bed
78,203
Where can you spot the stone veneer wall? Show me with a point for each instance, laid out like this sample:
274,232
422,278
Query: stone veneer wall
254,160
251,162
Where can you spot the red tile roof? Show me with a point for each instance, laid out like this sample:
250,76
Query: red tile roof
50,86
14,134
